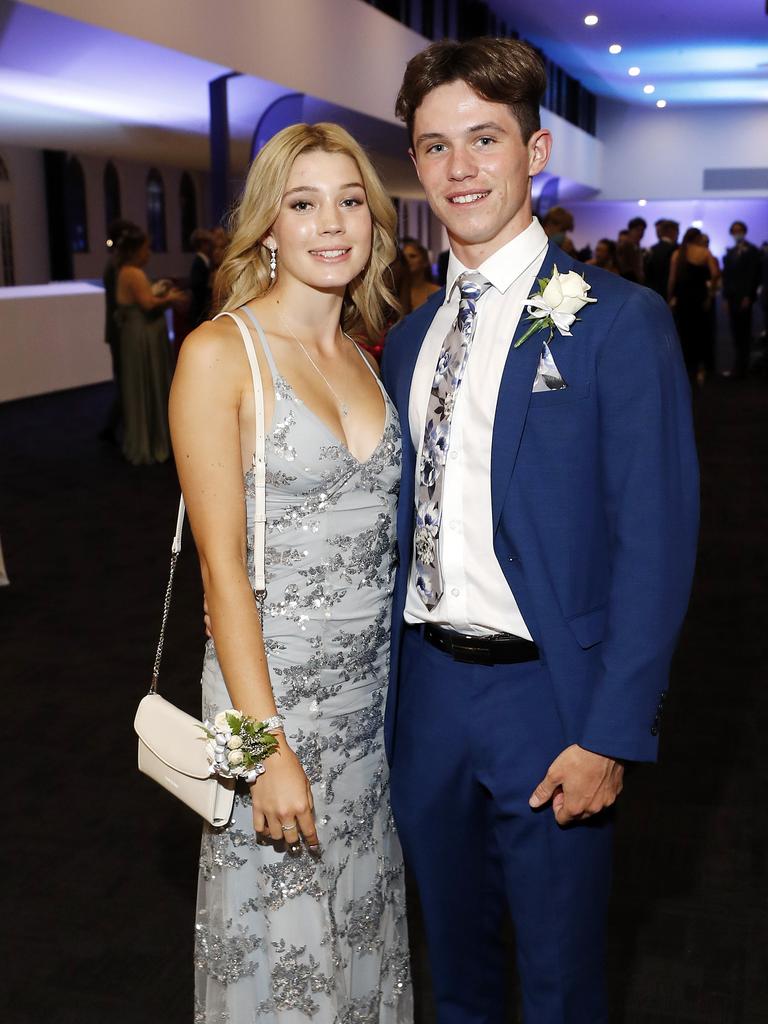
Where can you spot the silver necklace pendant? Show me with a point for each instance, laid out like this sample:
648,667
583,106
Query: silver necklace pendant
344,409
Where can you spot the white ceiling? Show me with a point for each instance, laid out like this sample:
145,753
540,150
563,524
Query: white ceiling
693,51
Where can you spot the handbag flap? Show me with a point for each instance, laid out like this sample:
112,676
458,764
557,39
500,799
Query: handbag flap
172,735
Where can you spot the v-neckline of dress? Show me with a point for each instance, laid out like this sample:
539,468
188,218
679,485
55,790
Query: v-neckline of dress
331,433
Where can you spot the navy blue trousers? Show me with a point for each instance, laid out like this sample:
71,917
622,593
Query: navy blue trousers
471,743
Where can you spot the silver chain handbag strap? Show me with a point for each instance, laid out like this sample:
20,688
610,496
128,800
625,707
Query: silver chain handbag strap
259,519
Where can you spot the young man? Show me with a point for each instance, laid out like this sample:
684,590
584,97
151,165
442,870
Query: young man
629,255
547,530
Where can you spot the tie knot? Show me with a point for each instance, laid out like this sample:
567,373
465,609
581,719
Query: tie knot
472,285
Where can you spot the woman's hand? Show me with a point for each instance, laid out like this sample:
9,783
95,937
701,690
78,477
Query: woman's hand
282,799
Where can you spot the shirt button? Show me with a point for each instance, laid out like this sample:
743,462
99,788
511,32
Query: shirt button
454,524
454,455
455,591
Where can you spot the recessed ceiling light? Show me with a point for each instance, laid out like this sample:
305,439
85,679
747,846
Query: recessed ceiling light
614,48
661,104
591,19
648,89
642,202
697,224
635,71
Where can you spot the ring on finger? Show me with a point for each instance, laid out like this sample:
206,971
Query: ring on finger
290,828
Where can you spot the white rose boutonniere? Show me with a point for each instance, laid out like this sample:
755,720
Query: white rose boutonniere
556,305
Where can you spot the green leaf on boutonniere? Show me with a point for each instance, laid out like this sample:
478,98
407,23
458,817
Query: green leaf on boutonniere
537,325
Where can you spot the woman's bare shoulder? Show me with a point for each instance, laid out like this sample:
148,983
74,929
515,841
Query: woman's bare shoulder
215,343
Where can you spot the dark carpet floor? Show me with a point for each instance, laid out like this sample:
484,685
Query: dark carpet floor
99,865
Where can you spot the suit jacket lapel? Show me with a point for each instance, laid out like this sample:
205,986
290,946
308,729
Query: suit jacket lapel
515,392
416,327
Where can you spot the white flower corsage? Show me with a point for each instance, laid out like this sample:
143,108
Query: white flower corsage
560,299
238,745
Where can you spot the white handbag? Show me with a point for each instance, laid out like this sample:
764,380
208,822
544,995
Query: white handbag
171,742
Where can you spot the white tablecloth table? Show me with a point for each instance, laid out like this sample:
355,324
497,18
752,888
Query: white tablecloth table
51,338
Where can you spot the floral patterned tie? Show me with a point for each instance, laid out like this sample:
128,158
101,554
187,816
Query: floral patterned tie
449,373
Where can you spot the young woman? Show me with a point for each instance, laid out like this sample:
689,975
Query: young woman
301,911
145,352
693,278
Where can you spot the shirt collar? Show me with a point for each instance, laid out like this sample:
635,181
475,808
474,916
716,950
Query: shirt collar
507,264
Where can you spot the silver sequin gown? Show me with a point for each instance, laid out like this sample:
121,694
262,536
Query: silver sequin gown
283,938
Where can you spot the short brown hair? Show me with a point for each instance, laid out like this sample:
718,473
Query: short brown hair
558,217
499,70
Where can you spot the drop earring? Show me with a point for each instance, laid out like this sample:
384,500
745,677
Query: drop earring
273,264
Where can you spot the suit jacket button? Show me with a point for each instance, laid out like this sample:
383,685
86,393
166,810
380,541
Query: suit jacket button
654,730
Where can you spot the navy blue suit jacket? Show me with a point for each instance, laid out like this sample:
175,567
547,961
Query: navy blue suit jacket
595,506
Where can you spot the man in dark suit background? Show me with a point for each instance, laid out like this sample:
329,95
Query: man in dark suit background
659,256
629,255
741,279
200,278
546,532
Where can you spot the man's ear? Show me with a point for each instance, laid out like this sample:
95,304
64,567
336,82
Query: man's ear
539,151
412,155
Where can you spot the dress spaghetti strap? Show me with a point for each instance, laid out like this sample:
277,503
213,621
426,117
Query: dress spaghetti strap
263,339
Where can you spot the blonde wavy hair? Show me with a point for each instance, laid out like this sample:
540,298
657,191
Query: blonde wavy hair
244,272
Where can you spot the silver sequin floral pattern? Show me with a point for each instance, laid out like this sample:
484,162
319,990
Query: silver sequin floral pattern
283,938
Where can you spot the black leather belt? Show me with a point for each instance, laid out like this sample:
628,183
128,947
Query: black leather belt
496,649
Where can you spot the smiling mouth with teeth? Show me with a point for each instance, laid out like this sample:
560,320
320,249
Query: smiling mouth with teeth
329,254
471,197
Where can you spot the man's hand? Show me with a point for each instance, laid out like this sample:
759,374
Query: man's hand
579,784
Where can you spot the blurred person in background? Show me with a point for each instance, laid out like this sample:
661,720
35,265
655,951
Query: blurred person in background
111,333
557,222
659,256
200,277
420,277
742,271
693,274
605,256
145,353
629,255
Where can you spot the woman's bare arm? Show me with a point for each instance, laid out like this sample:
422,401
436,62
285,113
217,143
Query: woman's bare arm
208,386
673,278
136,283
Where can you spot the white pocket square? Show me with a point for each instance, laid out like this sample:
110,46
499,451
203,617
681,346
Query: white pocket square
548,377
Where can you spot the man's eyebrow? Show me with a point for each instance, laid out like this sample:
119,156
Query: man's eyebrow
485,126
313,188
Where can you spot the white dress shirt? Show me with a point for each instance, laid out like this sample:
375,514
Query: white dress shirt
476,597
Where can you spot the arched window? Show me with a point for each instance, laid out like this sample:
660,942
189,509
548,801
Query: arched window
77,214
188,210
156,211
7,276
112,205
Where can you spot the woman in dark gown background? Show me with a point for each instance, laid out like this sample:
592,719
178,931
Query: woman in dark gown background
692,279
145,353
